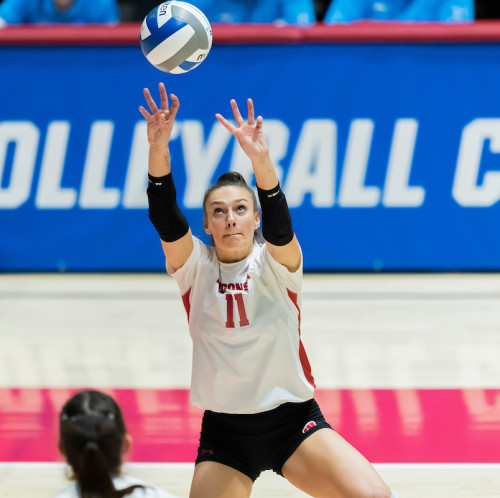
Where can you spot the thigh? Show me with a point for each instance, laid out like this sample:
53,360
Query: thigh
224,440
216,480
326,465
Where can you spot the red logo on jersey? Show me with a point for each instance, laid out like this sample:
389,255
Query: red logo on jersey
233,286
210,452
308,426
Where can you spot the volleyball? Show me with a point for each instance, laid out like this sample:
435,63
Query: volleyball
176,37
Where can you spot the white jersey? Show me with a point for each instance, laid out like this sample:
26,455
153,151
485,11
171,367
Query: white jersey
244,320
122,482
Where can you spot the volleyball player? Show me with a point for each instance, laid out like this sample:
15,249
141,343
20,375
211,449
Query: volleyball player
250,372
93,439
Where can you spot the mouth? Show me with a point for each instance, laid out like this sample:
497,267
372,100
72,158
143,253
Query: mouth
232,235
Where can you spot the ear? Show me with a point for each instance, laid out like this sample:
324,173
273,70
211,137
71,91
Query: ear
127,443
257,219
205,223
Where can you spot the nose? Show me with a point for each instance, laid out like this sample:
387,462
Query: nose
231,222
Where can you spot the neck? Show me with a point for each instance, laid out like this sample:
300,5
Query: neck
233,255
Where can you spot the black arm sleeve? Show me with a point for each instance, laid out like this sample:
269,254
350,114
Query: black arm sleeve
276,220
164,212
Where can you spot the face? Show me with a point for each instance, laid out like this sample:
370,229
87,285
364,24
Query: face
63,5
231,220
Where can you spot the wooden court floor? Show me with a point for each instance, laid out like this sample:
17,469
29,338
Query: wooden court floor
417,338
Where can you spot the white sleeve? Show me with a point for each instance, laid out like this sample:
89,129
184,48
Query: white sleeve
151,492
68,492
123,482
185,275
148,491
290,280
164,494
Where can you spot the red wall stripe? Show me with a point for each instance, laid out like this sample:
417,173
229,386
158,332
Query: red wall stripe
360,32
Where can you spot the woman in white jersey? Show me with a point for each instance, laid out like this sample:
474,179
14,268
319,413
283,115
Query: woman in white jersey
93,438
250,371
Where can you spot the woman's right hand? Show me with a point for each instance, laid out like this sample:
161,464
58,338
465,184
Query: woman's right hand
160,121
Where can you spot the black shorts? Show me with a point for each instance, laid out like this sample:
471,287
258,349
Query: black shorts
256,442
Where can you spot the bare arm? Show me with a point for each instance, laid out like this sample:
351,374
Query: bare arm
159,128
251,138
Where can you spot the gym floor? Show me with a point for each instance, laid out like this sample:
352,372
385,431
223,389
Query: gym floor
406,367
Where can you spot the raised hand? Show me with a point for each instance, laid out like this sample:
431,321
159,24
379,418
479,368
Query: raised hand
160,121
250,135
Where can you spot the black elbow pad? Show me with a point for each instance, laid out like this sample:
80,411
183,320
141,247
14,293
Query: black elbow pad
276,220
164,211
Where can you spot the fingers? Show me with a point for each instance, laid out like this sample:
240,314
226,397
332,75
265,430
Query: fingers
250,112
175,105
223,121
150,101
236,113
162,120
164,113
144,112
260,121
163,97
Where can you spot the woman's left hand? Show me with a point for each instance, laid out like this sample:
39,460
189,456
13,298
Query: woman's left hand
249,134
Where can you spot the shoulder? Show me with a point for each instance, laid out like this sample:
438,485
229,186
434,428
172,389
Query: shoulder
68,492
149,491
121,482
285,278
200,253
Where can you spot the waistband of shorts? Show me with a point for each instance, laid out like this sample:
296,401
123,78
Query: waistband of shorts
264,417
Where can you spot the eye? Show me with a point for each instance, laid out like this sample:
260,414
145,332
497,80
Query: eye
241,207
217,210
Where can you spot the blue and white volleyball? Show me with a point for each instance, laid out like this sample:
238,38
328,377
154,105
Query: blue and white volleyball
176,37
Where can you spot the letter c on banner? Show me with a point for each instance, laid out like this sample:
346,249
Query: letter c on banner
466,191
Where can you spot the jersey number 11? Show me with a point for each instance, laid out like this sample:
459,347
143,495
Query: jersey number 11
230,310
